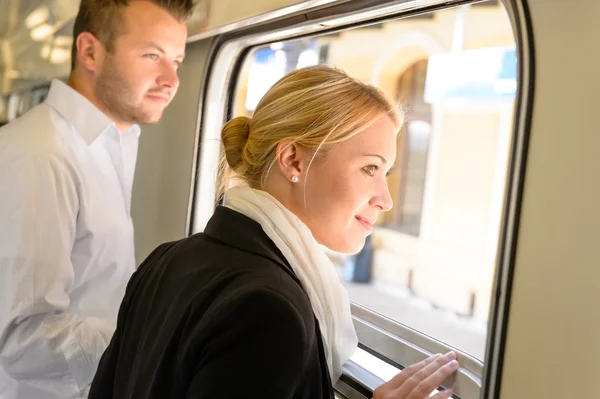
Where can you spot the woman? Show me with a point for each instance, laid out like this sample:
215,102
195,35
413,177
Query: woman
253,306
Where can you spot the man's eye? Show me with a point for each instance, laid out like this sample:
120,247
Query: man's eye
151,56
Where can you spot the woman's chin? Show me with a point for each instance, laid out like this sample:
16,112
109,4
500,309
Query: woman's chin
350,247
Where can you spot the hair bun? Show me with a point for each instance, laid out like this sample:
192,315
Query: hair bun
235,136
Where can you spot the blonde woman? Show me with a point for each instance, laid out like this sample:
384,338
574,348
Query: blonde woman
253,307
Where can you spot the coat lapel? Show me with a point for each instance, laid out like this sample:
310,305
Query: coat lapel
241,232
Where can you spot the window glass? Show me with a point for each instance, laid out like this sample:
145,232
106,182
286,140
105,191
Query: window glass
430,262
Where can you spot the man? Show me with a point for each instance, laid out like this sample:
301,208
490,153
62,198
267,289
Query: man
66,173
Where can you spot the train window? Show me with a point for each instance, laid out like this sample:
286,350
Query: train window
430,262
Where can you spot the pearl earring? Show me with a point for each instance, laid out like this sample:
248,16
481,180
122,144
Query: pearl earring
294,179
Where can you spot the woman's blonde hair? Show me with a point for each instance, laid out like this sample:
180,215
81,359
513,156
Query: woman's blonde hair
314,107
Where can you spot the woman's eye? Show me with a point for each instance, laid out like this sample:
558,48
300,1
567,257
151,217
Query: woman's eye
371,169
151,56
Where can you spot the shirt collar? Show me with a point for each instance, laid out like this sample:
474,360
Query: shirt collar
85,117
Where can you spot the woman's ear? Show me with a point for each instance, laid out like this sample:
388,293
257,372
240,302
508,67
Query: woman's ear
291,160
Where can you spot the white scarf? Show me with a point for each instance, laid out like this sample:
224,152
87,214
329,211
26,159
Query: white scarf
328,298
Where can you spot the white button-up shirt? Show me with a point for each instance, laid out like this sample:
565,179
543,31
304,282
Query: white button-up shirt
66,243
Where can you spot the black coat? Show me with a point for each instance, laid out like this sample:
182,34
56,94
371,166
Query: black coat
217,315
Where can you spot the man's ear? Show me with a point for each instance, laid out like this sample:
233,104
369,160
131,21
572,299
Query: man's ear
90,52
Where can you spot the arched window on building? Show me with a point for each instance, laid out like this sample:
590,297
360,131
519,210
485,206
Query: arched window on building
407,183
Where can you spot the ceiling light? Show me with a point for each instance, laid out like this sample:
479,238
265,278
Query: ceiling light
41,32
37,17
45,52
63,40
59,55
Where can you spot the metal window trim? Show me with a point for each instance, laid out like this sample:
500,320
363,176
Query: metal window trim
260,19
361,376
206,71
405,346
345,386
313,10
518,12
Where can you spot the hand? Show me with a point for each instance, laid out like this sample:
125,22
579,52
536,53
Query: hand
419,380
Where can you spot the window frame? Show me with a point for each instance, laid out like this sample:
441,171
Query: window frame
389,339
401,345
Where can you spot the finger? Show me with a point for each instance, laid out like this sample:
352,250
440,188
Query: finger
442,394
420,375
425,387
409,371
